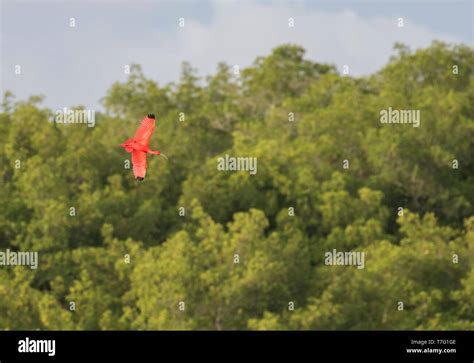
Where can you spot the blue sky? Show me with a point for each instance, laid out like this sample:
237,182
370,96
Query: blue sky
76,66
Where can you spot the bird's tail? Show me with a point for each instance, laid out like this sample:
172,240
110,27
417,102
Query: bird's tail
127,145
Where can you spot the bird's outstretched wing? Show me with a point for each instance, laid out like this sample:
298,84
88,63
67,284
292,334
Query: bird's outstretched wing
139,163
144,132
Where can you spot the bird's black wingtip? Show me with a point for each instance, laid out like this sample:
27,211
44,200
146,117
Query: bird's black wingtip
139,178
151,115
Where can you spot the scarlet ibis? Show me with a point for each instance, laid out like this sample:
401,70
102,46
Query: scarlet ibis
139,146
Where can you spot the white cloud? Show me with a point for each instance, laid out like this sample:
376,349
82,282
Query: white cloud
240,32
79,67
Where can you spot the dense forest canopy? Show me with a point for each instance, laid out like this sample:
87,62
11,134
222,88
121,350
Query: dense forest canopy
193,247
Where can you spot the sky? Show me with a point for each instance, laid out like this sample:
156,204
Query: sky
73,66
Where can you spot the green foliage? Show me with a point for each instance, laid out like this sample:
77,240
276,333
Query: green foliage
239,258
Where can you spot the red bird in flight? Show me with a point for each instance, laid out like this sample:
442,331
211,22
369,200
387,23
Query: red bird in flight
139,146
